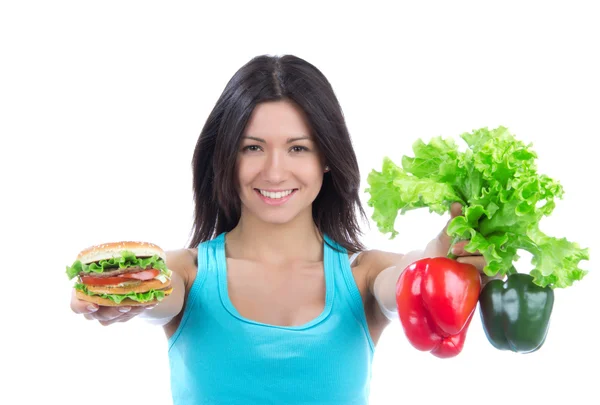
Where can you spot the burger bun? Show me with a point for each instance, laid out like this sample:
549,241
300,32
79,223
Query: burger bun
111,250
127,302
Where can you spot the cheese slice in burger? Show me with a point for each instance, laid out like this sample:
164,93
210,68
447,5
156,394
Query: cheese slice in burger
121,274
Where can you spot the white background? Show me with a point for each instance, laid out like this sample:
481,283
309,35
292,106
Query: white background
101,104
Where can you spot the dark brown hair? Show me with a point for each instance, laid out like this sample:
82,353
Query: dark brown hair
273,78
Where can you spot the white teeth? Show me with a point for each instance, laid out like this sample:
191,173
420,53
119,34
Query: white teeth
279,194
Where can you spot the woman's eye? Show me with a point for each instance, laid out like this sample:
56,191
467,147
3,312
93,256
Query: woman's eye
299,148
256,148
251,148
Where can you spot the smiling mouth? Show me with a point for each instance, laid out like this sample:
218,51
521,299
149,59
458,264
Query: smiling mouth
276,195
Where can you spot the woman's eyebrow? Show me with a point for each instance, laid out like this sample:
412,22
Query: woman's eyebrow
289,140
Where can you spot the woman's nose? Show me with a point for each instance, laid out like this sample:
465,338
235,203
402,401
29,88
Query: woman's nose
274,169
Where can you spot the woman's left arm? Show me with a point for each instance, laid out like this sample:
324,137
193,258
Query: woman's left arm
386,269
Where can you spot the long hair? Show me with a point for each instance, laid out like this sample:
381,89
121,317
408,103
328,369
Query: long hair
273,78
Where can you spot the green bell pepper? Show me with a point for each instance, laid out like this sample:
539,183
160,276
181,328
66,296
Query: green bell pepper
515,313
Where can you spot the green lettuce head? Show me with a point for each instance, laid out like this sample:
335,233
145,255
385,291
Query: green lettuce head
504,199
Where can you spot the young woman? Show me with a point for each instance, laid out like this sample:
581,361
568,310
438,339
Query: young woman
276,300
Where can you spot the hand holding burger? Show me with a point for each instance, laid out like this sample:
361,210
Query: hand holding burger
121,275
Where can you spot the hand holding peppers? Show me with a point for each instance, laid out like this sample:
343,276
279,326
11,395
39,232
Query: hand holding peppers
437,296
505,198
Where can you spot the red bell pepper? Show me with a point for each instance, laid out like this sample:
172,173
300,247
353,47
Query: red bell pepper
436,299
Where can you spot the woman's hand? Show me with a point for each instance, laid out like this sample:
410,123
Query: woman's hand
105,315
440,247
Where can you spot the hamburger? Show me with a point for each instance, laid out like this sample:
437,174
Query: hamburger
121,274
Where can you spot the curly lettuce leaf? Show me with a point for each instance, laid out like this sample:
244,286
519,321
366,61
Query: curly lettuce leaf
393,190
118,298
503,196
127,259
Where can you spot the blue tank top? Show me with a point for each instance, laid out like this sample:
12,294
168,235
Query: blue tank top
217,356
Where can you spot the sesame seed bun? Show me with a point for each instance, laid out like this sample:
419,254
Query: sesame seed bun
113,249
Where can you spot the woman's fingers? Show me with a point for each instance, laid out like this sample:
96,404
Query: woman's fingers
109,322
103,314
486,279
109,315
81,307
464,256
455,210
477,261
125,316
459,249
133,312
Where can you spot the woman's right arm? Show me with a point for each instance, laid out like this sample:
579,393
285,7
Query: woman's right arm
180,262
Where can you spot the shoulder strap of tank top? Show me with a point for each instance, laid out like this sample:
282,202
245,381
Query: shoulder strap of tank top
354,256
355,301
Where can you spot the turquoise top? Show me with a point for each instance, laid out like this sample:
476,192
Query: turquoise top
219,357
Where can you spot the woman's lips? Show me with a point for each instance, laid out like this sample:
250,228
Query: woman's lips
275,201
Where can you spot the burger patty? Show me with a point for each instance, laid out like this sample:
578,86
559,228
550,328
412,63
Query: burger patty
113,273
142,287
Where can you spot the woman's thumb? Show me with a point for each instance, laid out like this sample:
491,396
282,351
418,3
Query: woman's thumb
444,240
455,210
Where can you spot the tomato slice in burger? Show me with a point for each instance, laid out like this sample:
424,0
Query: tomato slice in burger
91,280
140,275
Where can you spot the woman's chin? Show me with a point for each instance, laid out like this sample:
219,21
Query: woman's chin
277,217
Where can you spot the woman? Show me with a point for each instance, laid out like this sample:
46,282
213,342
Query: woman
276,300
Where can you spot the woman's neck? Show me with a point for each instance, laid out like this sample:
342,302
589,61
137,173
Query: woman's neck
298,240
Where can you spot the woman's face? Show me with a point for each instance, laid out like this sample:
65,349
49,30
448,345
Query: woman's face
279,168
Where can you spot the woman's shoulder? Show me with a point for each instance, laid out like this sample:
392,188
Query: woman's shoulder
183,261
182,256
